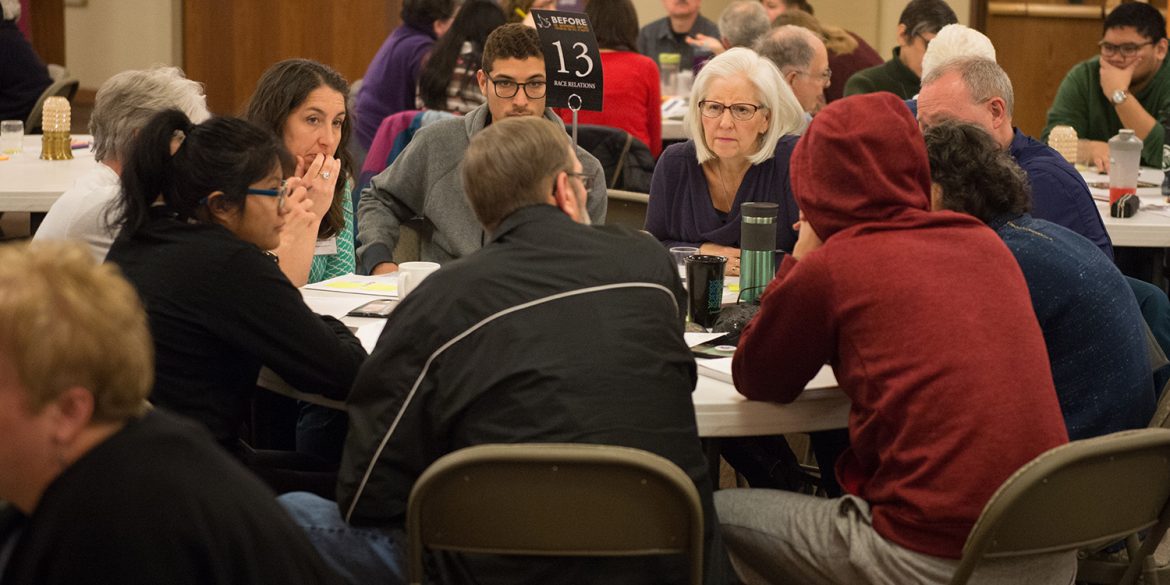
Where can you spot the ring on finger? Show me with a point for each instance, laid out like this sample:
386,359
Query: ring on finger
325,175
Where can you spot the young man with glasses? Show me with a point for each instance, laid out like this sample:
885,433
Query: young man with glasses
1126,86
424,180
901,75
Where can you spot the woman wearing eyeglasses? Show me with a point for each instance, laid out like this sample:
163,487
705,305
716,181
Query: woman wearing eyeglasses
200,206
740,120
303,102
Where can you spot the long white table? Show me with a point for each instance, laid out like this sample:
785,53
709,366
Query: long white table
720,411
1150,227
29,184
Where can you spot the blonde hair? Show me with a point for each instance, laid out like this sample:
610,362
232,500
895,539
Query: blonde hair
66,322
786,115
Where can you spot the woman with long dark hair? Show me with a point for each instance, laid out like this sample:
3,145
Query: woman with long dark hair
447,82
200,207
304,103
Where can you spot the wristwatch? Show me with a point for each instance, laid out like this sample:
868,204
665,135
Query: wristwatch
1119,96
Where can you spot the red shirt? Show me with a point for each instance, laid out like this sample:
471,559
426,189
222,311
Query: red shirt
632,98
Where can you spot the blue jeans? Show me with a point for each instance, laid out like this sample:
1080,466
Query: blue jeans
360,554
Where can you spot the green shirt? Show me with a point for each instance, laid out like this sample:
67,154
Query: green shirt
1080,103
892,76
330,265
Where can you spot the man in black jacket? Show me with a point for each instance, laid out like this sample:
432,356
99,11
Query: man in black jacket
553,332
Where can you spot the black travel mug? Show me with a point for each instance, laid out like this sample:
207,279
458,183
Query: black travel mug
705,288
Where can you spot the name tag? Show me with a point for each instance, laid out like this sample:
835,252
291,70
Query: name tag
325,247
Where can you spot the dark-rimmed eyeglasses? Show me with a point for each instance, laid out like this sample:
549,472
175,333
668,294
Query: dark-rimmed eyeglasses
507,88
826,76
281,194
741,112
1126,49
586,180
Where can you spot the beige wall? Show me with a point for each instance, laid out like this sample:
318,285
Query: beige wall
104,37
875,20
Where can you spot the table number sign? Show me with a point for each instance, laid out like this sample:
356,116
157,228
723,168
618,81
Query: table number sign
572,60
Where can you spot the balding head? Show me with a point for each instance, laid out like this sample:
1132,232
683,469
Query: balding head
742,22
801,56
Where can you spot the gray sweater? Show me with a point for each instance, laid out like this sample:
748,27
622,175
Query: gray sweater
425,181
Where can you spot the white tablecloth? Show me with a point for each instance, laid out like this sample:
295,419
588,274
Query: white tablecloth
30,184
720,411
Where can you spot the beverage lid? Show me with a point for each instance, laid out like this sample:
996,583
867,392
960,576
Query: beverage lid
759,209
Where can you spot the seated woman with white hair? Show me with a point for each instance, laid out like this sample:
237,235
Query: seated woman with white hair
123,105
742,121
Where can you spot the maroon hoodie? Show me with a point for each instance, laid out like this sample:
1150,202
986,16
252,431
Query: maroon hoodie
926,320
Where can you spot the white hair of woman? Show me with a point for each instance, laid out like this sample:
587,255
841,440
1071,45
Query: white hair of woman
954,41
773,94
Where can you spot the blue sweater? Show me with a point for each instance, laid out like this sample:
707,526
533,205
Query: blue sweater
1059,194
1092,327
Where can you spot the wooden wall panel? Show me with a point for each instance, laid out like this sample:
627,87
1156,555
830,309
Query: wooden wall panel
46,25
1037,52
227,44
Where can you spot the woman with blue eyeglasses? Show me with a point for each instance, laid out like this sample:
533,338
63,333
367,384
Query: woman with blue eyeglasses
200,208
741,118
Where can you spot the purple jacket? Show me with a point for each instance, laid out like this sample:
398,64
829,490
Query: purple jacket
391,80
680,211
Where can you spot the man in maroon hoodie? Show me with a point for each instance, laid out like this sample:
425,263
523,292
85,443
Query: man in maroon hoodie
926,321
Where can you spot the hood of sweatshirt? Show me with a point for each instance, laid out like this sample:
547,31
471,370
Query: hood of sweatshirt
862,160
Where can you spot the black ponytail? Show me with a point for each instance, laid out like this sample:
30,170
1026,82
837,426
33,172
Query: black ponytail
221,154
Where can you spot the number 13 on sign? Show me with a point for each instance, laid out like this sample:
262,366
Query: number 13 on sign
584,56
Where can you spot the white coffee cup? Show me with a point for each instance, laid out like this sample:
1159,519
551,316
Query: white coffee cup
411,274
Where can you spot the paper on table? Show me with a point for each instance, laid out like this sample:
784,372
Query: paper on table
334,306
720,369
385,285
368,334
695,338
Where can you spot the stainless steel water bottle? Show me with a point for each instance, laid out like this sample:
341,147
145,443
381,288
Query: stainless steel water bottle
757,241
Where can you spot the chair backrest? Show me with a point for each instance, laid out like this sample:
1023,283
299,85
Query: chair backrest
555,500
626,208
627,161
65,87
1085,493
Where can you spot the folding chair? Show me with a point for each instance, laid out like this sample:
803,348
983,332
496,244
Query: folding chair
1083,494
1098,567
555,500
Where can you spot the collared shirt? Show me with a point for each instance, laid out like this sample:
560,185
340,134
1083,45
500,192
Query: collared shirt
892,76
657,38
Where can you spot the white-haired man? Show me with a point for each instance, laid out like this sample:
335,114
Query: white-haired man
124,104
978,91
740,24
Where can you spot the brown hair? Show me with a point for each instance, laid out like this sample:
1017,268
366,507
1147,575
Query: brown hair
511,164
511,41
976,176
282,89
66,321
837,40
615,23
